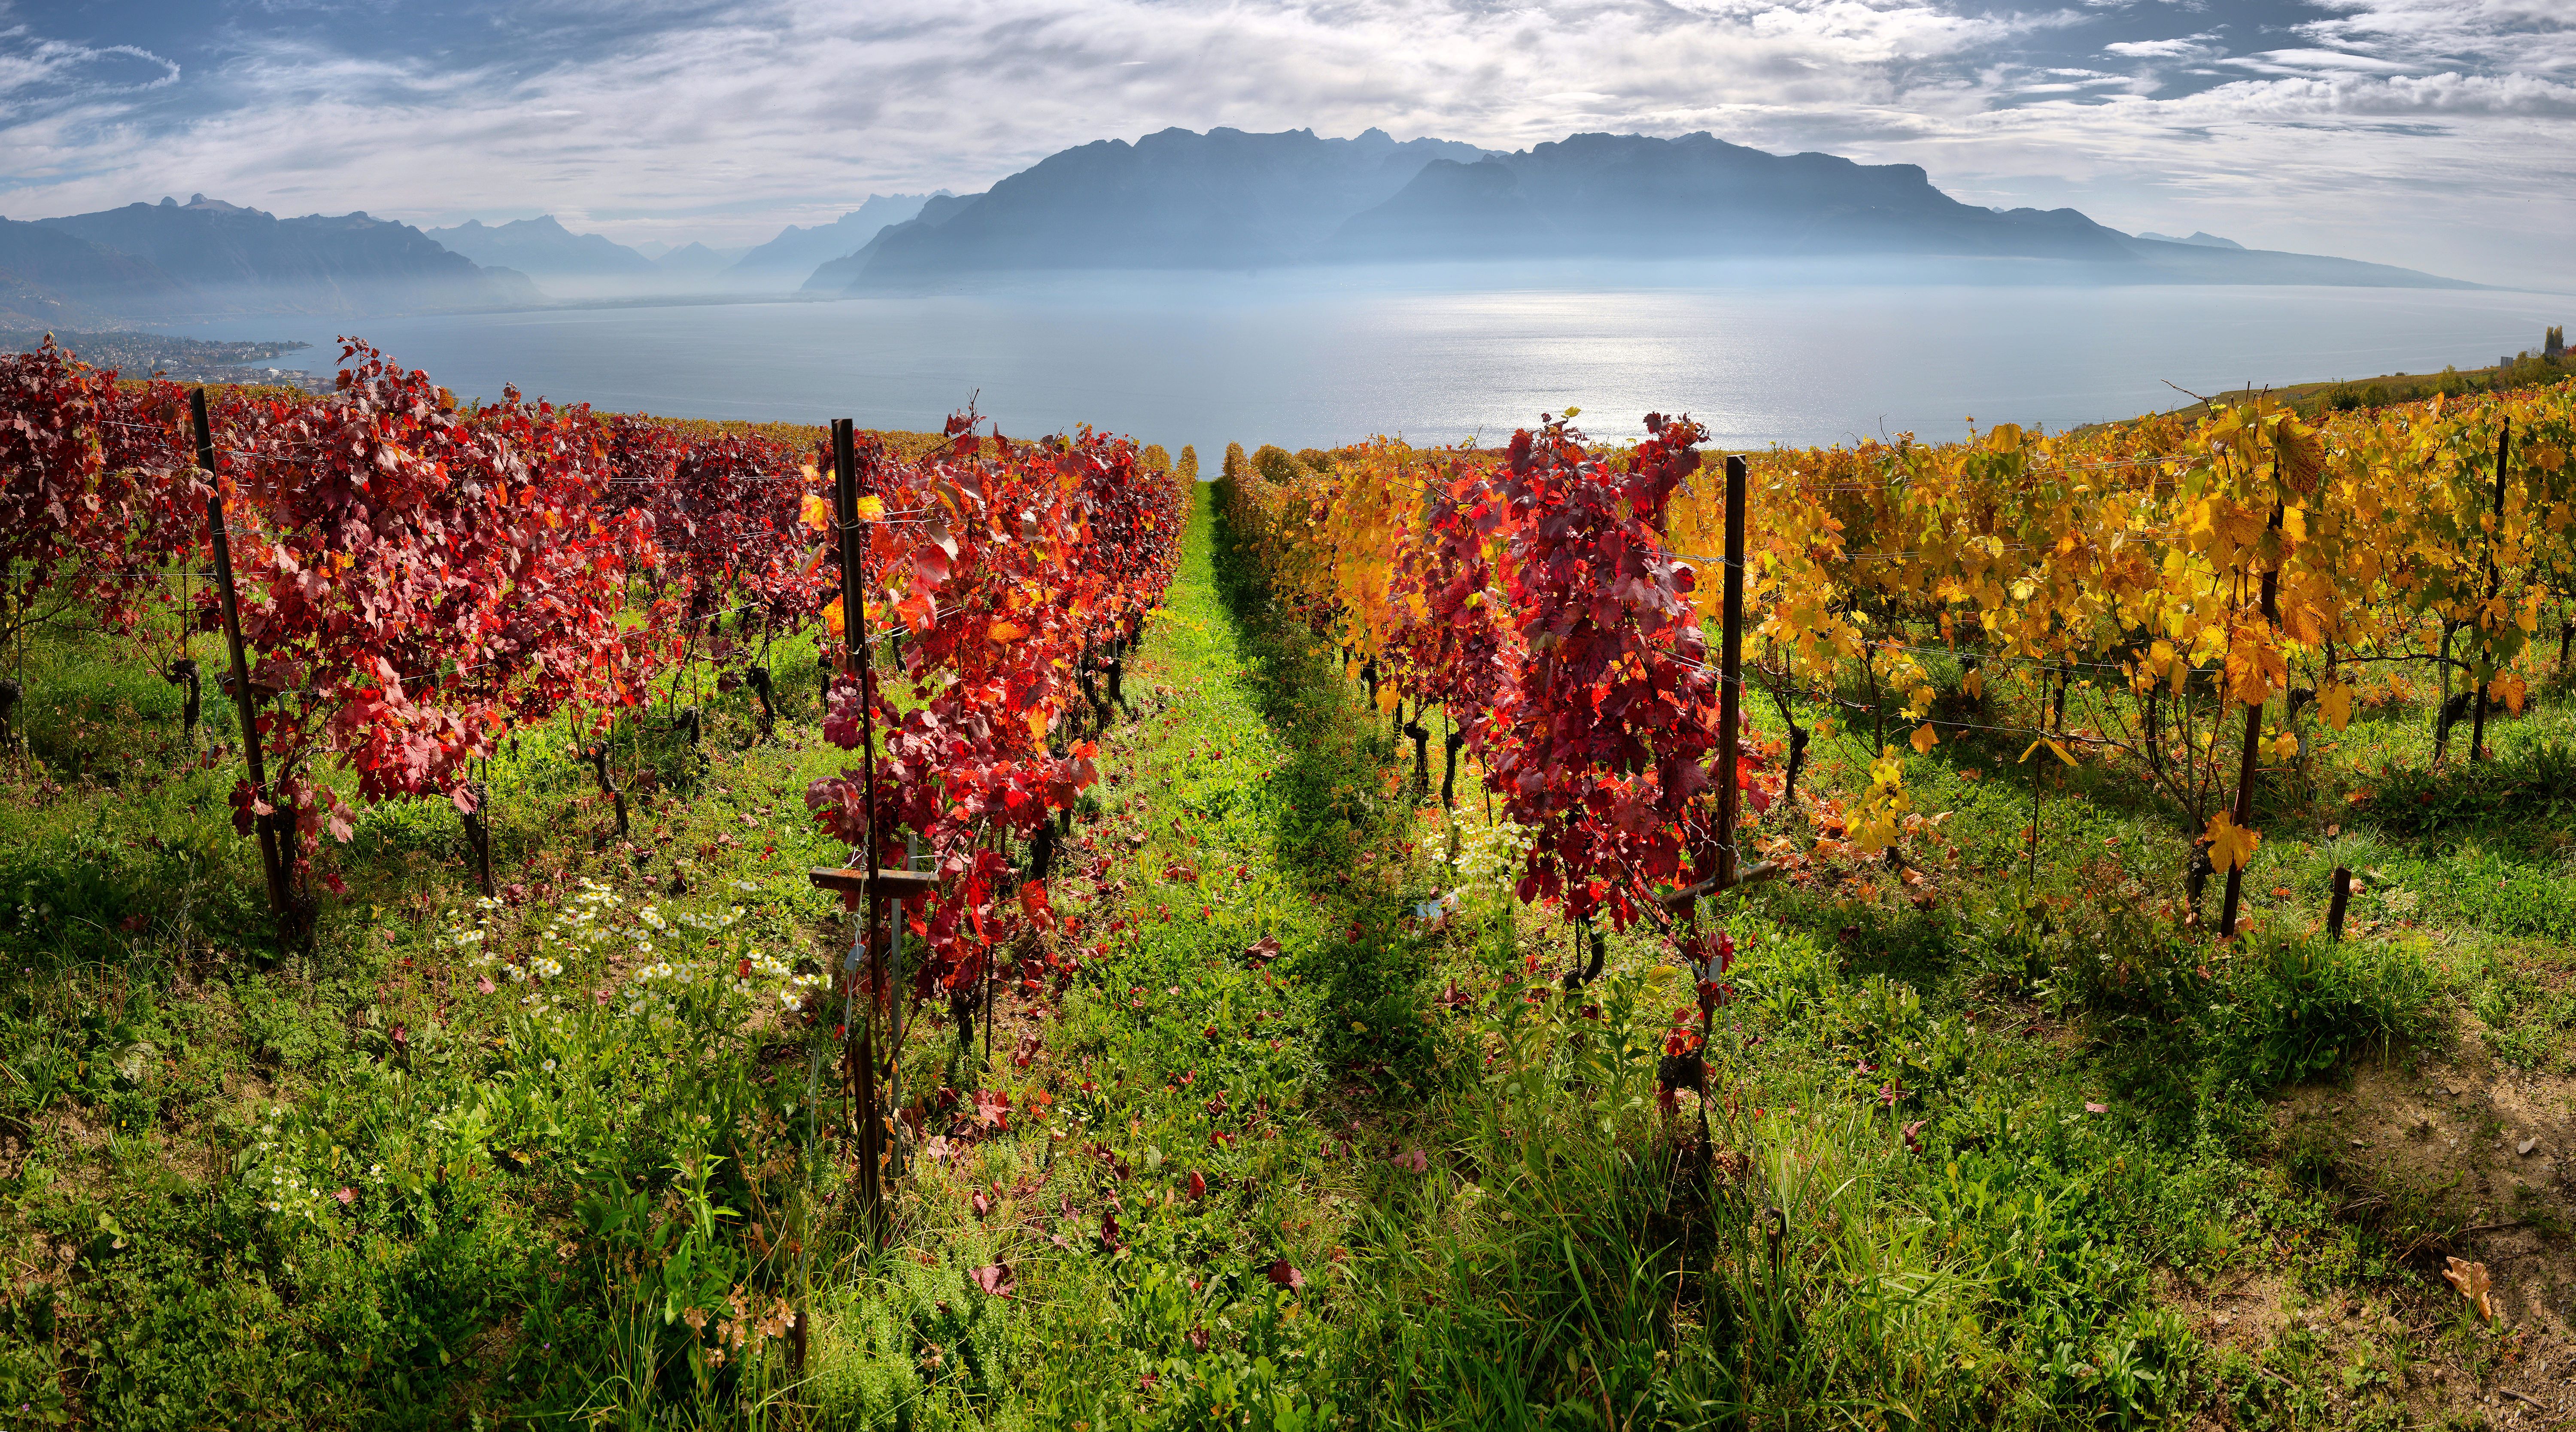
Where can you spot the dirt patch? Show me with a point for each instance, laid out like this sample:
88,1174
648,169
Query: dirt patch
2243,1309
2442,1153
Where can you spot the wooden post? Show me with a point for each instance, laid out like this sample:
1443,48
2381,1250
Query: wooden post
859,1050
1730,677
244,700
2486,669
2342,897
2249,765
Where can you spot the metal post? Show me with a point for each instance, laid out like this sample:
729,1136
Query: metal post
271,864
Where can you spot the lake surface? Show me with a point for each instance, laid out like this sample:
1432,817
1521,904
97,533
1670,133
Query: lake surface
1324,356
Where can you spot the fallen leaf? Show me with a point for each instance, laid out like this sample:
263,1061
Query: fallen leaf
2471,1279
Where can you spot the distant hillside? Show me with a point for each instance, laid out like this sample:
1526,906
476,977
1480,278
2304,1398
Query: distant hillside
542,248
2200,237
25,305
56,277
2187,262
694,261
786,261
1226,199
232,259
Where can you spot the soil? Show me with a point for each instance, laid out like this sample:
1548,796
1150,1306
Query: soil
2446,1153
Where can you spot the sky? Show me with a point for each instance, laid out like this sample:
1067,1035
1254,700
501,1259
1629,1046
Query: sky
2436,134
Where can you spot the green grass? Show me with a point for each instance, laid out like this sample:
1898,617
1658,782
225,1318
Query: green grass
1282,1152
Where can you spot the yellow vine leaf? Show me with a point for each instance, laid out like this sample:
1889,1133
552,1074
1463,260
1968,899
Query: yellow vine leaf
2230,845
1924,739
2255,668
2335,704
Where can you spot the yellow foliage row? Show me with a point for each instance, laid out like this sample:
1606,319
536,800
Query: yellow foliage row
2235,545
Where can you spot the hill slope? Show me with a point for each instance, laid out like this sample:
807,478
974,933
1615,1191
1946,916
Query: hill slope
60,277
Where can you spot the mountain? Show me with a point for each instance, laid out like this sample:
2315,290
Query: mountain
841,273
1226,199
696,261
542,248
237,259
784,261
2202,240
1630,196
1223,199
61,277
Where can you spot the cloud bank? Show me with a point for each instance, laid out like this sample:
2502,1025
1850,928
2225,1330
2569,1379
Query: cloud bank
2438,134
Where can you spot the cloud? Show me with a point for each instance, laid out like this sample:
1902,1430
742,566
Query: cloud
2294,62
2275,121
34,71
2188,47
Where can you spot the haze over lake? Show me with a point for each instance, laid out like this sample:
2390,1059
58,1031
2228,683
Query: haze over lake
1332,355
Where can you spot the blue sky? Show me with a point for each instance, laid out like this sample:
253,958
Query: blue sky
2439,134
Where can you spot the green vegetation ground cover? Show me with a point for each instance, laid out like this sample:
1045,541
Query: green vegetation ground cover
1302,1145
2314,399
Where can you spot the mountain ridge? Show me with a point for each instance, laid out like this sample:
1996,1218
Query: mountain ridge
541,248
224,258
1174,199
1177,199
792,257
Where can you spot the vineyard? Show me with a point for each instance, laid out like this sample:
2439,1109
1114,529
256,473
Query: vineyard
528,916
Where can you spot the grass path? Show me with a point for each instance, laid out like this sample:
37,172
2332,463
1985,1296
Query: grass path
1164,1195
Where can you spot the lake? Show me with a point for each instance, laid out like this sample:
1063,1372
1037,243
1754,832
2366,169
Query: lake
1328,355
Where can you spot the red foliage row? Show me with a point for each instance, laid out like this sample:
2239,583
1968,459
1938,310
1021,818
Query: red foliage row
418,580
1016,568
